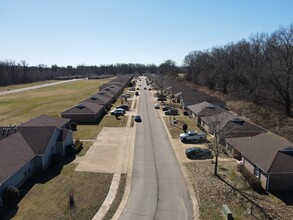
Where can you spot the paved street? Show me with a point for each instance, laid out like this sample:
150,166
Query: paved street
36,87
158,189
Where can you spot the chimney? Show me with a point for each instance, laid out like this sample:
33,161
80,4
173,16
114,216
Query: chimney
7,131
3,131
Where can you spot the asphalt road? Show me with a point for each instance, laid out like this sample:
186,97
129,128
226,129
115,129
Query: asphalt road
36,87
158,189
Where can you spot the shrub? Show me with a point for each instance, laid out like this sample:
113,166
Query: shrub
185,127
73,126
11,196
252,180
77,146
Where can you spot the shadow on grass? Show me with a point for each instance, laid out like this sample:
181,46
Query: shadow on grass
39,177
286,197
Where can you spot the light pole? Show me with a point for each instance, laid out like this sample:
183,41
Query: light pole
170,107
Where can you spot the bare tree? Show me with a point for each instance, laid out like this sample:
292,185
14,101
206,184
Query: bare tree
279,54
216,124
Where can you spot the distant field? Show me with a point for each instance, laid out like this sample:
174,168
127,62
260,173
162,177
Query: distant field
19,86
20,107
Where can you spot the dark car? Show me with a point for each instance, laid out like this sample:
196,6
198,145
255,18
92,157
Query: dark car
162,99
137,118
136,93
125,107
197,153
171,112
166,108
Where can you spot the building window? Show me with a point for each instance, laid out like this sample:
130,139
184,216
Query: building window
256,171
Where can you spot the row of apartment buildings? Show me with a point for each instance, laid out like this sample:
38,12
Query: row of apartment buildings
31,146
268,156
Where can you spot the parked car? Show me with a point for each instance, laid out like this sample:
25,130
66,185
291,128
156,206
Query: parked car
171,112
157,106
118,111
166,108
137,118
131,89
136,93
127,95
162,99
124,107
198,153
193,136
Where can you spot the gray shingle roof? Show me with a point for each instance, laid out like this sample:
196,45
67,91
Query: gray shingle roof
14,154
85,107
222,118
37,137
242,128
45,120
265,150
197,108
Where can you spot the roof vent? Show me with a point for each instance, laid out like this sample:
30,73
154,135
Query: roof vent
80,106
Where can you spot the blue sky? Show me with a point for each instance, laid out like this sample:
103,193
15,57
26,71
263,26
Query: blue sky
95,32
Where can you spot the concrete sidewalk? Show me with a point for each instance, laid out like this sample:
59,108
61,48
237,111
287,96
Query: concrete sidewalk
111,152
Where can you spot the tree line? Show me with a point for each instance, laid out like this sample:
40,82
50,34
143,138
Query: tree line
16,73
259,69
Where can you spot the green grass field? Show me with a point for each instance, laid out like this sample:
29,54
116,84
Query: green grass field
20,107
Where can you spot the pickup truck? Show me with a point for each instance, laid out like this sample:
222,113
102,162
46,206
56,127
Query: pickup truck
193,136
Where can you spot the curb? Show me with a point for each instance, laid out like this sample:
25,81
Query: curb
125,167
129,170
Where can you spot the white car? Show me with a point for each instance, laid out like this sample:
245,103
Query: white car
157,106
193,136
118,111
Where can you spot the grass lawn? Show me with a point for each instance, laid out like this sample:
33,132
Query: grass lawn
48,194
91,131
85,146
20,107
176,129
212,193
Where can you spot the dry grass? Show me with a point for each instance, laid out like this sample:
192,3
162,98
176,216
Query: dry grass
19,107
91,131
176,129
48,194
212,193
85,147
